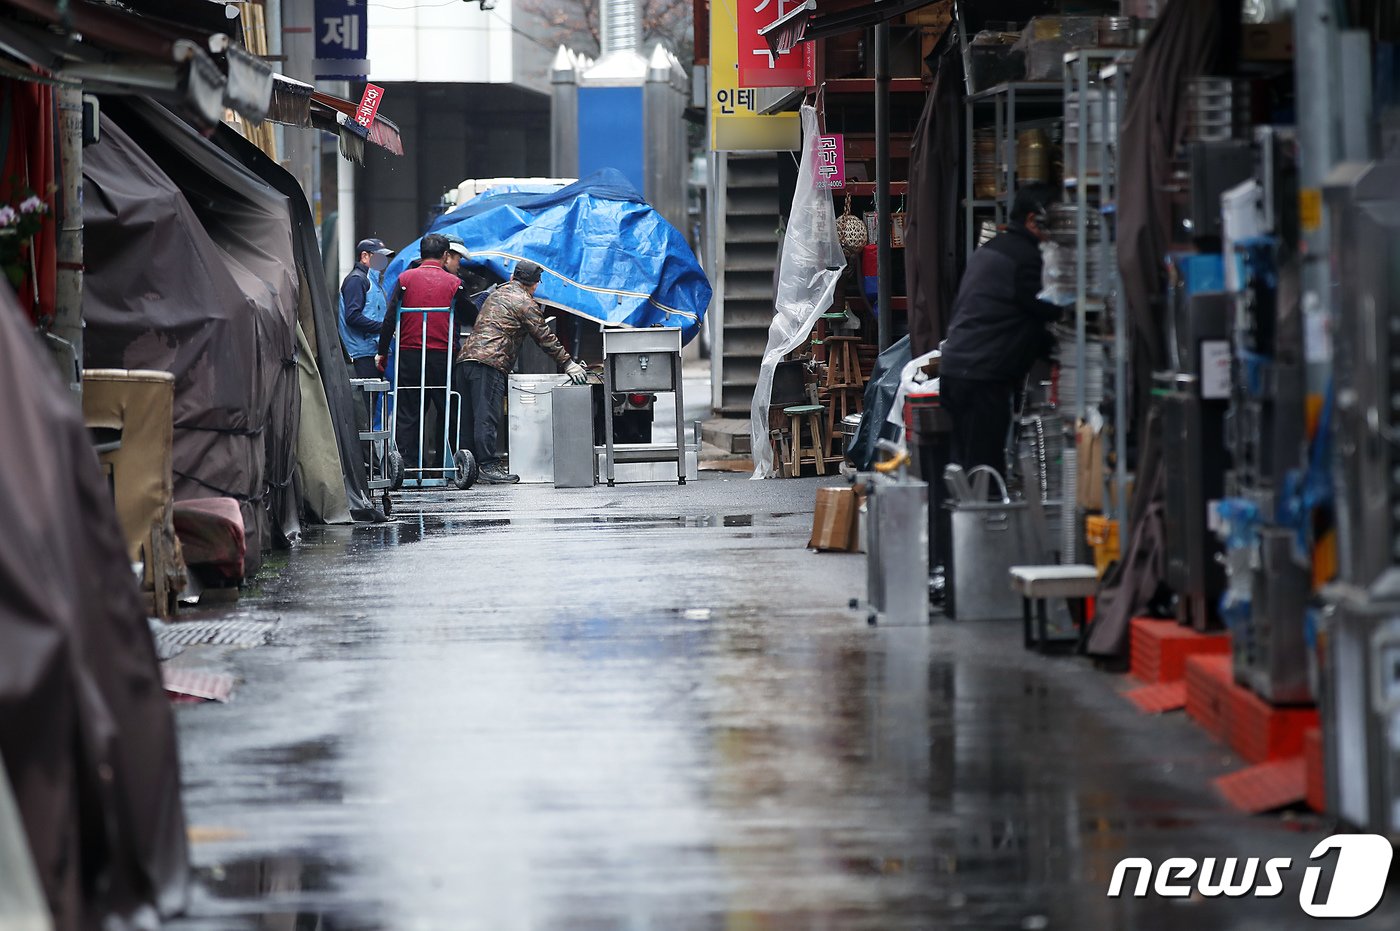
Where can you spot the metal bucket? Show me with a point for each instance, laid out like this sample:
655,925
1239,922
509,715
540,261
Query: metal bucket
849,425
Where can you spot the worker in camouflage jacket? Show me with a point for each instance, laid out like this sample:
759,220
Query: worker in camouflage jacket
486,360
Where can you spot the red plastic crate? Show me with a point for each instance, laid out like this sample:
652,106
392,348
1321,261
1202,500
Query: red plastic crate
1266,786
1158,698
1208,681
1316,769
1158,649
1260,732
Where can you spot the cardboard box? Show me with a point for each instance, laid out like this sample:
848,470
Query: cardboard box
1267,42
1089,493
835,520
937,15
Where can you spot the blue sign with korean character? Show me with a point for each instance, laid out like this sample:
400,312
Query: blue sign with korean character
342,39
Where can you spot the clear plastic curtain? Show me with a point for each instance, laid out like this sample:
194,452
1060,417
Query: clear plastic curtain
811,265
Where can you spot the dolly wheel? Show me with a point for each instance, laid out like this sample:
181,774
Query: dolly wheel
467,470
393,469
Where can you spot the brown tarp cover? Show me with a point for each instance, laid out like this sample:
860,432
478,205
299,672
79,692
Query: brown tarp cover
186,274
85,728
931,241
318,312
1187,42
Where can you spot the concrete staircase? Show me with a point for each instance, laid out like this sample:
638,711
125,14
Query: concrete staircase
750,260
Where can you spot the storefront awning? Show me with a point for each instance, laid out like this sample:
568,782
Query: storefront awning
789,29
833,17
296,103
112,50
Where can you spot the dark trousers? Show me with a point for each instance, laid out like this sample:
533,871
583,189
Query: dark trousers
413,403
364,367
981,412
483,391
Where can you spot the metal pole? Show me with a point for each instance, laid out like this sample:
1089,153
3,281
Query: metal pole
1120,332
564,115
1315,38
678,377
969,191
882,180
1081,243
68,292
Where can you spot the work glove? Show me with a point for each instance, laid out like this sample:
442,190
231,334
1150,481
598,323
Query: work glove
380,362
577,373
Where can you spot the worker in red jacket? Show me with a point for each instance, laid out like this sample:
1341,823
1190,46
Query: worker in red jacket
426,342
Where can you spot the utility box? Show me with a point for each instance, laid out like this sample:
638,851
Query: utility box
574,463
896,548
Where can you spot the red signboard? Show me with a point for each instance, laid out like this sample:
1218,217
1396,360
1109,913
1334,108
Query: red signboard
830,161
758,66
369,104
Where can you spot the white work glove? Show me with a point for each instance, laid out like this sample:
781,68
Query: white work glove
577,373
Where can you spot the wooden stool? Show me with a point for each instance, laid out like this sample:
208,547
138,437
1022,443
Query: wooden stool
811,414
843,362
823,330
839,403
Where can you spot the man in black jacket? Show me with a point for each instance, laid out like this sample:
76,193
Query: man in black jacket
998,331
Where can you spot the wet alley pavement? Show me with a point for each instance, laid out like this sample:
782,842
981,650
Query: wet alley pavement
649,708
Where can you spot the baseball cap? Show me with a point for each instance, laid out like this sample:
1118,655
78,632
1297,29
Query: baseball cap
375,246
527,272
455,244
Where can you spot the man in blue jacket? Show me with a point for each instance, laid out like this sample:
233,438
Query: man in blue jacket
362,306
999,329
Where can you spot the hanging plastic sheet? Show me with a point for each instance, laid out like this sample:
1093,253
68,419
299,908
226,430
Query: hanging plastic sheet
811,265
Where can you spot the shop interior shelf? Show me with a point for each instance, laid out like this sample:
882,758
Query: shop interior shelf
867,188
1039,91
867,86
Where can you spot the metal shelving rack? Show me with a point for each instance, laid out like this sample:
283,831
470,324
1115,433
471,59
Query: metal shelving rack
1008,103
1115,83
1089,191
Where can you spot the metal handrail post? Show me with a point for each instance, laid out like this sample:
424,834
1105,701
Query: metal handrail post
422,389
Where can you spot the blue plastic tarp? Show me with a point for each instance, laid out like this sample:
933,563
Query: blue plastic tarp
606,254
502,190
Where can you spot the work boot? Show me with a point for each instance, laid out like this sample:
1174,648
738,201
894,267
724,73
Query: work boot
495,475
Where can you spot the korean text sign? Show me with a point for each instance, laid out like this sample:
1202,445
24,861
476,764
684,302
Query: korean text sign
758,66
830,162
342,38
369,104
736,125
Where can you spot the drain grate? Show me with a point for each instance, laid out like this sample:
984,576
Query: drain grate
172,639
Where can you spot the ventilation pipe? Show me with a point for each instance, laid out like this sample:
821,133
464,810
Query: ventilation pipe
621,26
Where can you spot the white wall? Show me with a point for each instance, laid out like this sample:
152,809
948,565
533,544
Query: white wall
434,42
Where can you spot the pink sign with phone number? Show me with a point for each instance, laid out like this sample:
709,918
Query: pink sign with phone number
830,163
